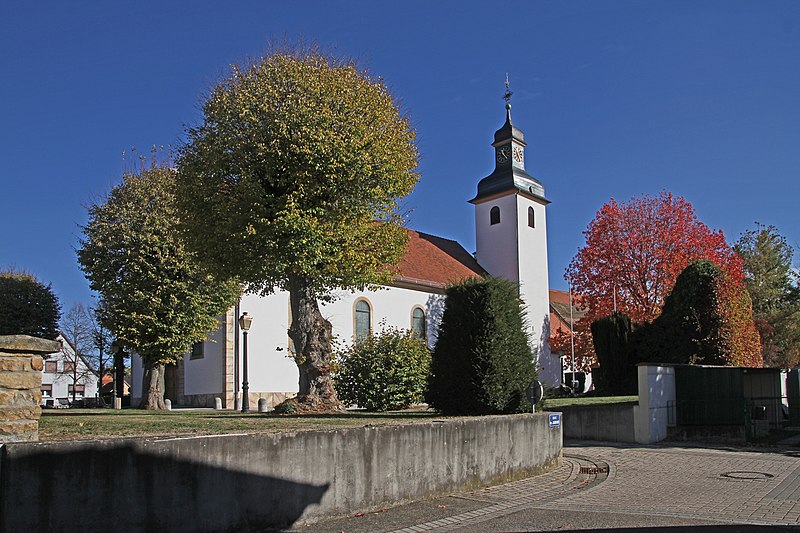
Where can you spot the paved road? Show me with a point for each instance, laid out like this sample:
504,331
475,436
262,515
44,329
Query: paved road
605,486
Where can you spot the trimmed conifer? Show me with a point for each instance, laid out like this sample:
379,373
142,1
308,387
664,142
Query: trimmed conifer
482,362
611,336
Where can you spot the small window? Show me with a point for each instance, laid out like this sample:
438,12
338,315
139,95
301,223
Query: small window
51,367
418,323
47,391
531,218
363,320
494,216
197,351
77,389
69,367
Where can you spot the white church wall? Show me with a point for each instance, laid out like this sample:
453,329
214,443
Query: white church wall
269,367
496,244
391,307
534,285
270,370
203,375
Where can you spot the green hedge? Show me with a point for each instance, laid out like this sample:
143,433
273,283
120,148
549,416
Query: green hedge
482,362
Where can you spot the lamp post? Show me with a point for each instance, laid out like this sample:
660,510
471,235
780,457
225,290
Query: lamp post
244,323
116,349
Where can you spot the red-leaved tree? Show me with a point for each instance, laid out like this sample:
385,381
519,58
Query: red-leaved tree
634,251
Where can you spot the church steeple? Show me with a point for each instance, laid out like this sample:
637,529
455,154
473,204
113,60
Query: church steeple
509,172
511,236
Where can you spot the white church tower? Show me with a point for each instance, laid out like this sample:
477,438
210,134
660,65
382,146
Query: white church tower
511,237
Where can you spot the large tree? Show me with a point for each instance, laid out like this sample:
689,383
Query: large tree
154,296
292,181
633,254
27,306
773,287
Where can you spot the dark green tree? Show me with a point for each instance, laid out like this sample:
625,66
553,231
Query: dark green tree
292,181
773,287
482,362
155,298
612,337
27,306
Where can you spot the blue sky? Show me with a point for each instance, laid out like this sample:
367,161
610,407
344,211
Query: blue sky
616,98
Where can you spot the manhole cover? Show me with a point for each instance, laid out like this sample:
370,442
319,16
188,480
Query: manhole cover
748,476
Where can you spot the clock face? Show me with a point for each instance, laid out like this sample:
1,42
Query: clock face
518,154
503,153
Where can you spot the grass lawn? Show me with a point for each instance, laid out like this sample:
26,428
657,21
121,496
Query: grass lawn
84,424
554,403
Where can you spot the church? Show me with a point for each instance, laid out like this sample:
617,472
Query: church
511,241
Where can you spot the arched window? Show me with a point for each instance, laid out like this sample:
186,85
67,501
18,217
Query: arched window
363,320
418,329
494,216
531,218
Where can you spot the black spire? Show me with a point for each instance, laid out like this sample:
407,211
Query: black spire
507,98
508,130
509,142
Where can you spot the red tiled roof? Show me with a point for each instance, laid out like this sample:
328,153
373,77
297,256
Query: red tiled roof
434,262
559,310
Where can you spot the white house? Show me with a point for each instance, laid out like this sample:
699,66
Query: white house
67,376
511,238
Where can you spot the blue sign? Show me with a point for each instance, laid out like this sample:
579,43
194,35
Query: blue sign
554,419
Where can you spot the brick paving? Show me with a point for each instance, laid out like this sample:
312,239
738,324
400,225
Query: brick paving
753,487
697,485
576,473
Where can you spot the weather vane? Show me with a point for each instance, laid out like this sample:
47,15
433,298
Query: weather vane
507,96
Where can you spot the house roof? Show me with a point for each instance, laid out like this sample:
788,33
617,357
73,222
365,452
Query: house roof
559,310
434,262
64,340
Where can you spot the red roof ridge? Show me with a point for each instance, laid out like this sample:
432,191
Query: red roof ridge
433,261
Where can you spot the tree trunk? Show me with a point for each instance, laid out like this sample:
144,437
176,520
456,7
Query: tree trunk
152,386
312,336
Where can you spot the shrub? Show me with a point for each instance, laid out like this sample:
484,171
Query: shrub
27,306
482,362
383,372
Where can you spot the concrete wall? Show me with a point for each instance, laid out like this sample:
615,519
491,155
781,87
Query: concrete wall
656,394
20,386
613,423
246,482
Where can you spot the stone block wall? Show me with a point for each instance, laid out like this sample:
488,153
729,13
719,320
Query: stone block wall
21,386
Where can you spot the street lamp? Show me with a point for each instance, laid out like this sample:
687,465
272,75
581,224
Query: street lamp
244,323
119,389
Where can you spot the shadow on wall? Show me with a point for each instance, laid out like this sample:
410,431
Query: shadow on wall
435,306
46,490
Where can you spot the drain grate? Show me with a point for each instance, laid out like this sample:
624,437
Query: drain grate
748,476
